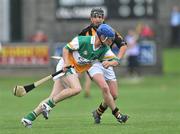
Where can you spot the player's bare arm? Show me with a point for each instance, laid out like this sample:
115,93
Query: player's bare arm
122,51
107,64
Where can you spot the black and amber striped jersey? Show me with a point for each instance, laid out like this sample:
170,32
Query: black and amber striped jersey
91,31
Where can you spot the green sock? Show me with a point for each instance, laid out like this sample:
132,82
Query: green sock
51,103
31,116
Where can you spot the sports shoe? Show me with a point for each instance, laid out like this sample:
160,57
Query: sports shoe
46,109
97,118
26,122
123,118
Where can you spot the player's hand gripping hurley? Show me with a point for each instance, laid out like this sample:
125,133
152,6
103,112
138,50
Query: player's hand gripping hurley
20,91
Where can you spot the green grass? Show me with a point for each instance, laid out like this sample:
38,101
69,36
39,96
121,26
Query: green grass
152,103
171,61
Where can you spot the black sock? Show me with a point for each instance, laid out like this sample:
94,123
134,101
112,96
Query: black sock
101,109
116,113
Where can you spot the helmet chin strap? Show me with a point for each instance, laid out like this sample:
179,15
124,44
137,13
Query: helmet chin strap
100,39
104,40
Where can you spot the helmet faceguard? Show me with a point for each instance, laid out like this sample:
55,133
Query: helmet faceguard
96,12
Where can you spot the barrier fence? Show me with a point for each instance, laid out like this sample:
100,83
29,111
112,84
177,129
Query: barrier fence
37,55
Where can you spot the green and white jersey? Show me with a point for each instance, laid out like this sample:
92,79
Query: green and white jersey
84,52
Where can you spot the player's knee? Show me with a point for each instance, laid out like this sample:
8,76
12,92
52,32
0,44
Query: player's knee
77,90
105,89
114,95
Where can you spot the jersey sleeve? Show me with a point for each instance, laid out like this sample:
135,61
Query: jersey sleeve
109,55
85,31
119,41
73,45
88,31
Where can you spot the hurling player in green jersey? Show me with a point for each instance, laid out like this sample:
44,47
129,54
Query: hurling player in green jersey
76,54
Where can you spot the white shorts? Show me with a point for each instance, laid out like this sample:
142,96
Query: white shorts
59,66
108,73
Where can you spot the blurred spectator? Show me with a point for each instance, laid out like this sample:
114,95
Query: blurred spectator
175,25
39,36
146,32
132,53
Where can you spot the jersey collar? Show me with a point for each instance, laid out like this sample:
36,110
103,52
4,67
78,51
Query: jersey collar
93,42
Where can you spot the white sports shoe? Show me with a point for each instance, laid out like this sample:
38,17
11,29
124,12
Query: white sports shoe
27,123
46,109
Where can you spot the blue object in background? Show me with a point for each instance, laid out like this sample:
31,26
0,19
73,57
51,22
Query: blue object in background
58,47
147,54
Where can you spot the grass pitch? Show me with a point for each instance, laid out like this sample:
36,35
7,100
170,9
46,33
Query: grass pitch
152,104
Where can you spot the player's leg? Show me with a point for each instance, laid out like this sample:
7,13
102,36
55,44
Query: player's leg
87,85
97,68
58,91
29,118
114,92
110,78
99,79
113,86
57,87
46,105
73,88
